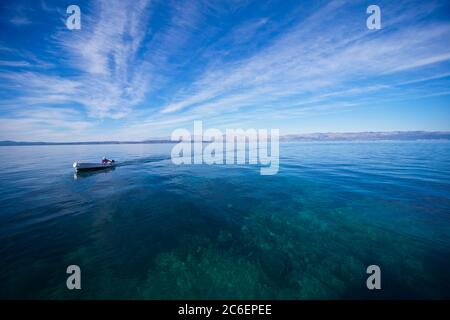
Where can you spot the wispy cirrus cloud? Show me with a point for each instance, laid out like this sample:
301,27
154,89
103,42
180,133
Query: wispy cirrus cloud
146,67
20,21
17,14
111,72
55,124
317,56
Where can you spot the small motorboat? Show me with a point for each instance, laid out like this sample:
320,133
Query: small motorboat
85,166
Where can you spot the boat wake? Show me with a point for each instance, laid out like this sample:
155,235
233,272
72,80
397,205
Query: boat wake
142,160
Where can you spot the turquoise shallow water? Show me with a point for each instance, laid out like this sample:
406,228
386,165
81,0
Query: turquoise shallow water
151,230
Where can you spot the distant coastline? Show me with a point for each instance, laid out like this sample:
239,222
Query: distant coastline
42,143
369,136
329,136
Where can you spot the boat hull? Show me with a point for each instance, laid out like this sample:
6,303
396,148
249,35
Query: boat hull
80,166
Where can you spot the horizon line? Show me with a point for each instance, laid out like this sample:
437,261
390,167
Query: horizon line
315,136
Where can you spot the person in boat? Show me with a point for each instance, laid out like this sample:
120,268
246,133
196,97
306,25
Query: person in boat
107,161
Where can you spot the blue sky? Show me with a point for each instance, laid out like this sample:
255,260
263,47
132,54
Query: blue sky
140,69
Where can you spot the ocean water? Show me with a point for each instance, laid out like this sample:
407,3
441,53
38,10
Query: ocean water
151,230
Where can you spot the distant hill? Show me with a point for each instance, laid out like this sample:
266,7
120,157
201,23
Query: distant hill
369,136
27,143
330,136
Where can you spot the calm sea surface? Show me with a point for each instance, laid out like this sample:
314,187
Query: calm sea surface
149,229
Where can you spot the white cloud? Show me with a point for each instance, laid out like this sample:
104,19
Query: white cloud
20,21
319,54
119,61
